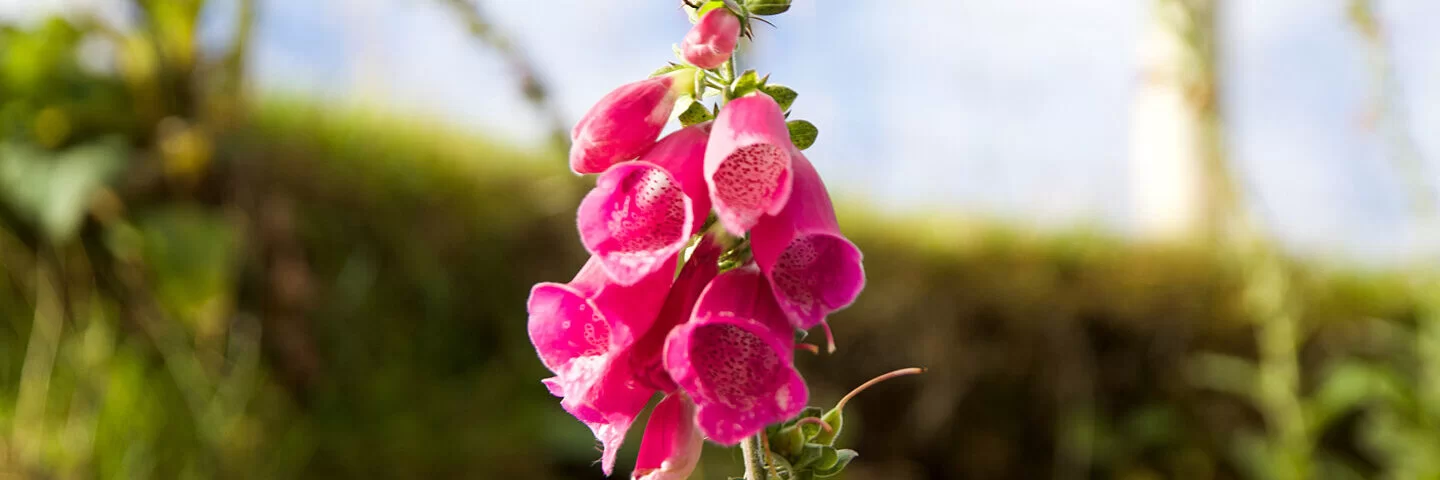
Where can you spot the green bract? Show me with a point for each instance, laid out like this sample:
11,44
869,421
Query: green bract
767,7
802,133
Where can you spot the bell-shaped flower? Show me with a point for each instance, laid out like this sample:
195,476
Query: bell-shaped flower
712,40
813,269
747,163
641,213
735,358
647,360
626,122
672,443
583,331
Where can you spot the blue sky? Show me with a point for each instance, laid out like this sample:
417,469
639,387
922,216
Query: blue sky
998,108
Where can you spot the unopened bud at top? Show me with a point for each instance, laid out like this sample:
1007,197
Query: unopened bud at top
712,40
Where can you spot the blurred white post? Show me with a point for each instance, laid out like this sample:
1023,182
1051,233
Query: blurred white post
1178,178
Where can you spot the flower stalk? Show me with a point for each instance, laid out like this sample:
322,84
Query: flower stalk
755,464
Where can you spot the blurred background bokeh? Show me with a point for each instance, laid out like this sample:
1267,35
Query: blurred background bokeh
1190,239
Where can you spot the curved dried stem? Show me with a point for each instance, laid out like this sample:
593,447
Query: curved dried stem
898,373
817,422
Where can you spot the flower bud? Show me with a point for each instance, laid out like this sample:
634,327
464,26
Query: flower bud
626,122
712,40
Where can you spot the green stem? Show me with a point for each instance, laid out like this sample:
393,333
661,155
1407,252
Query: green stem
754,458
727,72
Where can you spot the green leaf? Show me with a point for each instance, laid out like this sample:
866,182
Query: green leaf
783,95
843,459
695,113
802,133
747,82
52,189
767,7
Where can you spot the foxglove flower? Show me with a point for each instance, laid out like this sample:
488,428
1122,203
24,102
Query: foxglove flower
641,213
735,358
813,269
747,163
712,40
583,331
672,443
647,362
626,122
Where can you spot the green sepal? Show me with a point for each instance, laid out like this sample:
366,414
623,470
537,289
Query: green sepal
747,83
809,454
706,8
836,420
810,429
695,113
699,85
787,441
843,458
782,467
828,458
800,337
767,7
736,9
668,68
783,95
802,133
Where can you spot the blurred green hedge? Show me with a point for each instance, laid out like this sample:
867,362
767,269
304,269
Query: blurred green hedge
424,243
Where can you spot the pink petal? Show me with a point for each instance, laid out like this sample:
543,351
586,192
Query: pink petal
735,359
747,163
564,325
813,269
624,123
648,359
712,40
604,395
671,446
582,331
641,213
592,315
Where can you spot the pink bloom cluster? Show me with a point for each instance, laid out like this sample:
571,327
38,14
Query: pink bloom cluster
719,346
